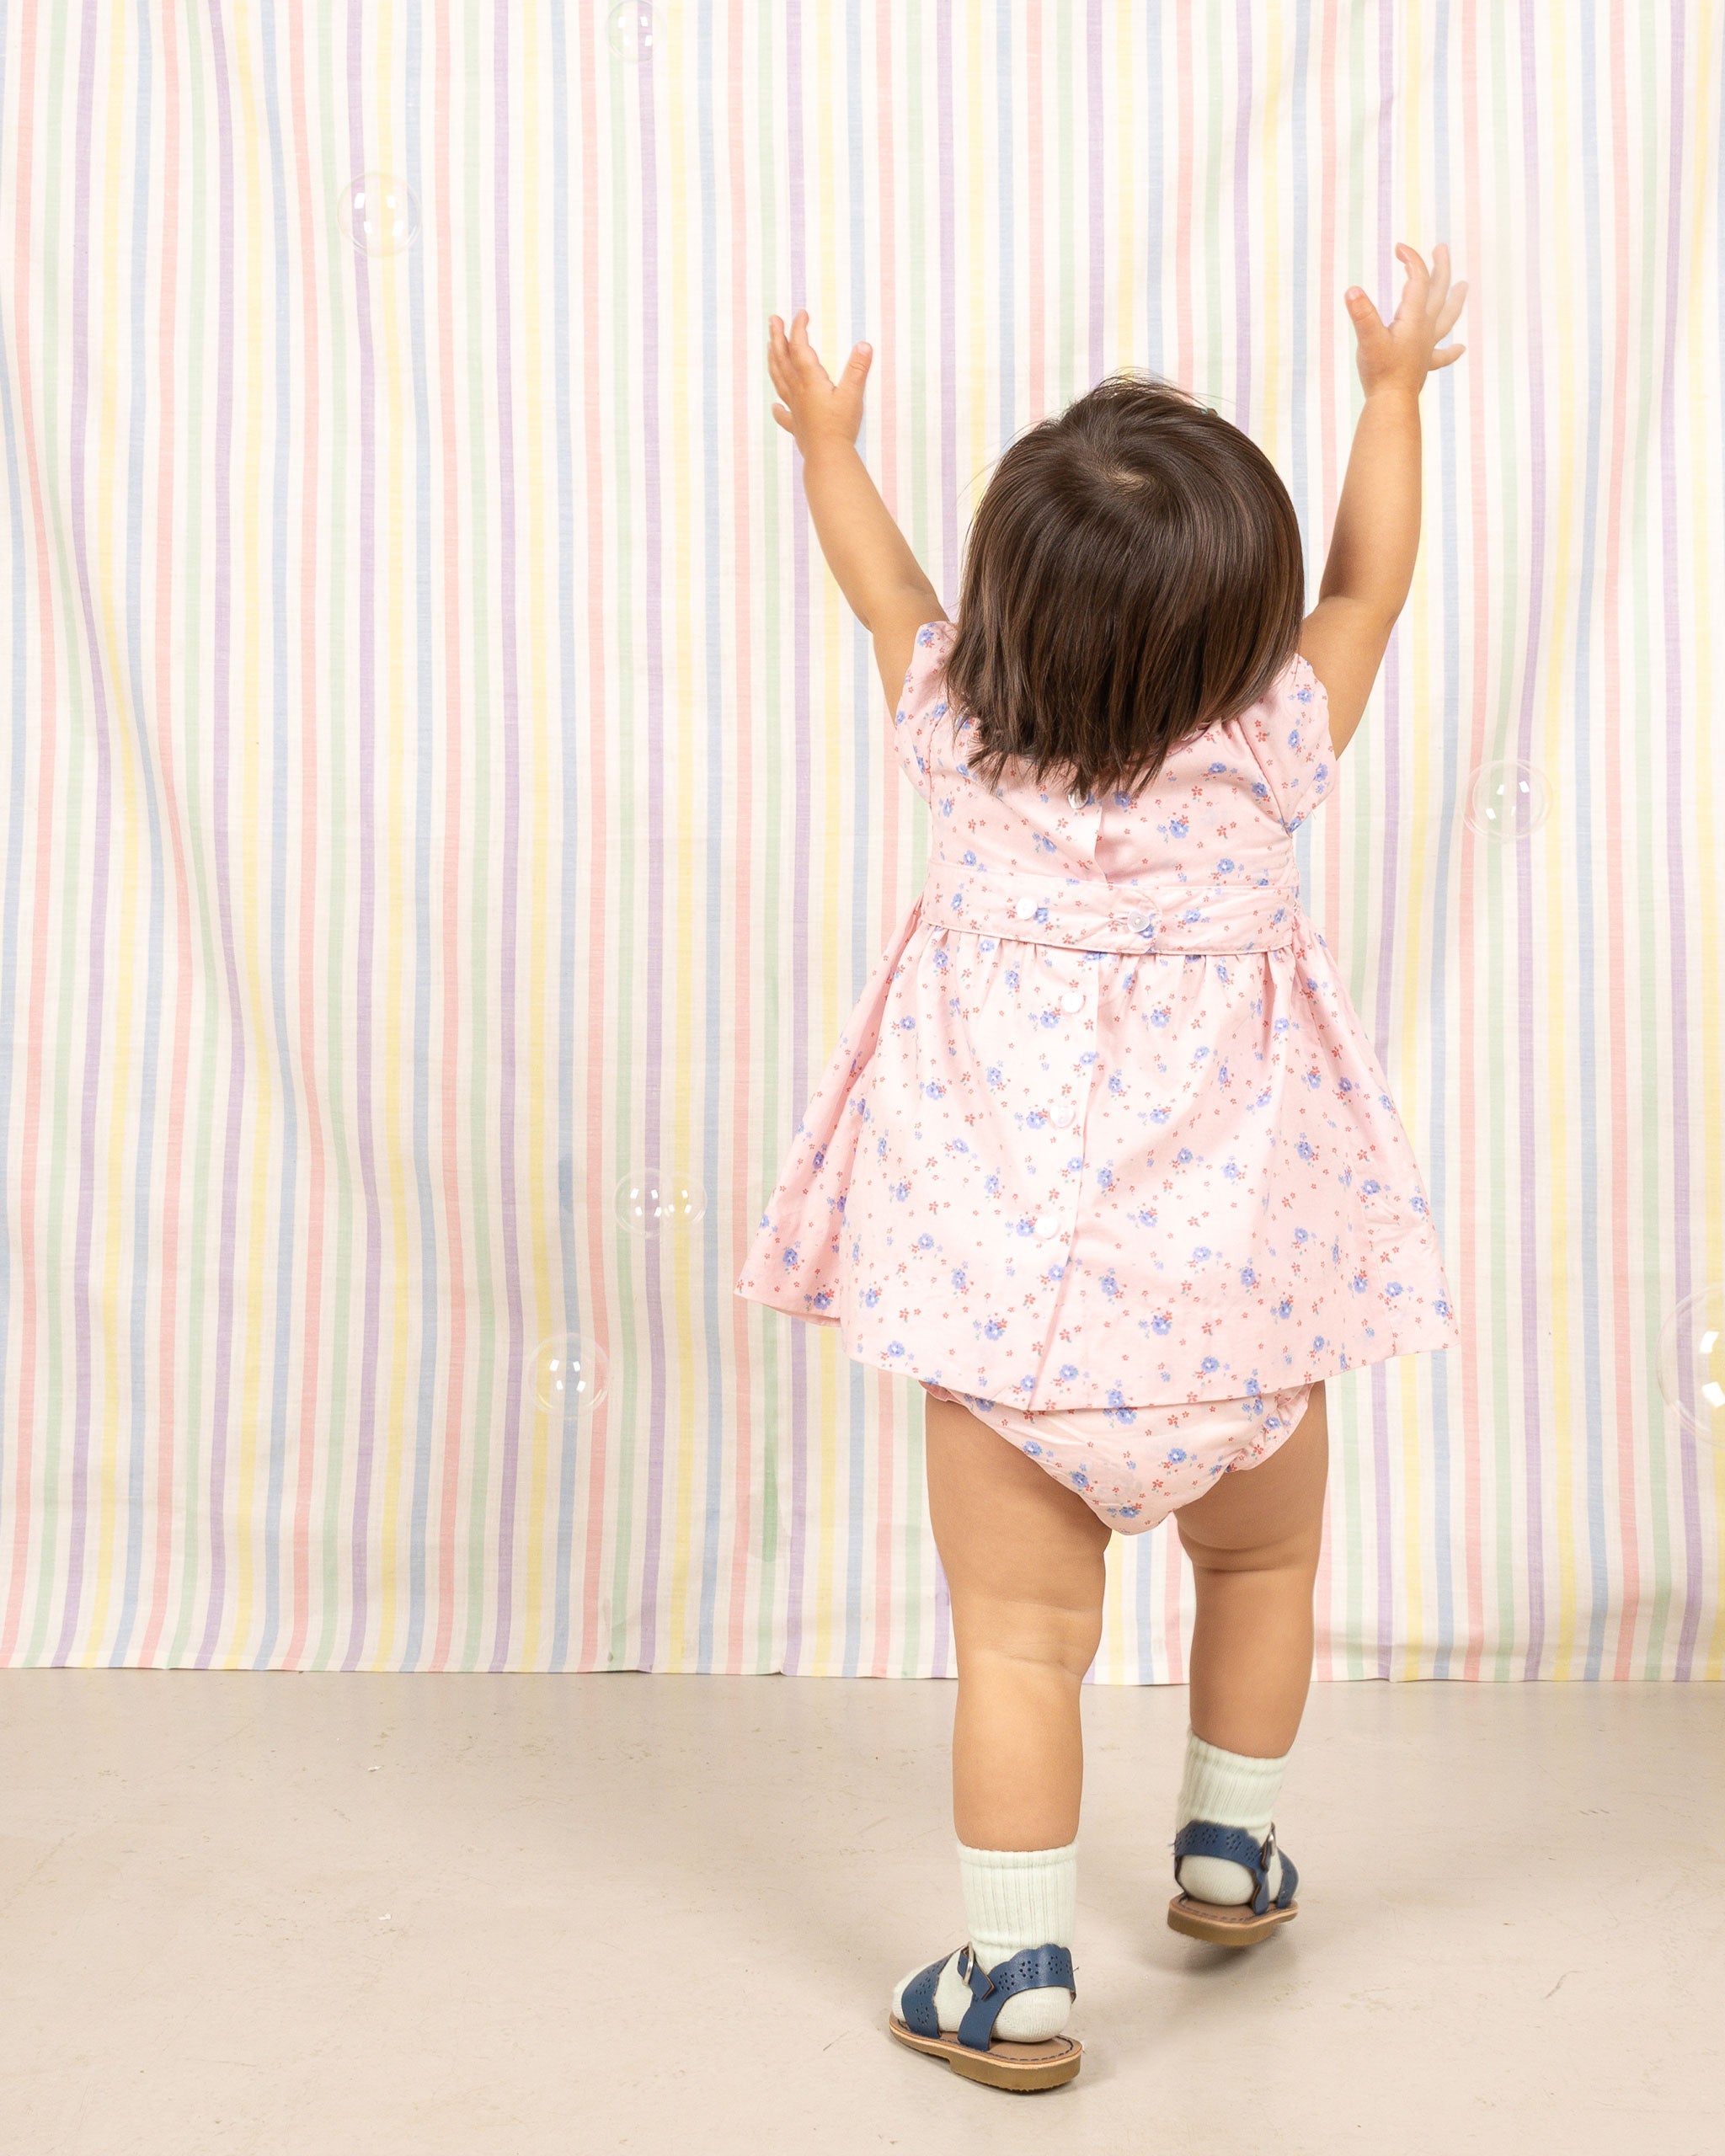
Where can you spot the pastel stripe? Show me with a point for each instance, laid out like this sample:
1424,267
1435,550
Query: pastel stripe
442,776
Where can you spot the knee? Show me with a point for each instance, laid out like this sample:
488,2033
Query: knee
1058,1637
1296,1552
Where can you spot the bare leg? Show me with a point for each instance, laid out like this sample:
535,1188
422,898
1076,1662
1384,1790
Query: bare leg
1253,1540
1023,1561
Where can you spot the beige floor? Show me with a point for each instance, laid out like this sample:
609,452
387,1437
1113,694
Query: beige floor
282,1916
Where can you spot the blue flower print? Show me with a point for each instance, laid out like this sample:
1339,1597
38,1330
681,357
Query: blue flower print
1160,1015
960,1282
880,1148
819,1156
791,1258
1215,770
1069,1372
1105,1178
902,1191
1302,1234
968,858
1183,1156
820,1301
1110,1287
994,1327
1012,977
1162,1322
1393,1288
1357,1282
1209,1366
1048,1018
871,1296
1233,1171
1117,1084
1202,1251
1440,1306
1285,1307
1369,1187
992,1188
1175,1458
1248,1277
1226,867
1317,1344
995,1076
1307,1150
925,1242
895,1346
1025,1225
1417,1202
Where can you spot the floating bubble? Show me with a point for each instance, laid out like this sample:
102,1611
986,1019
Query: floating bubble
629,29
380,214
569,1375
1506,801
652,1202
1691,1364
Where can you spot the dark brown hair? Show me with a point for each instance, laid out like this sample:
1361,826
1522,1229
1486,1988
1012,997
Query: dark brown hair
1133,575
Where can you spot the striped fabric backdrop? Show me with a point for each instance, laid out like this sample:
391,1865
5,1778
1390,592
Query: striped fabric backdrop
441,780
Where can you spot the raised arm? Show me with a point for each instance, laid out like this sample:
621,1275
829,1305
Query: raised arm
881,579
1372,549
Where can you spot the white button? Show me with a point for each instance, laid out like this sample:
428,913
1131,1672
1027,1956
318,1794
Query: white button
1140,923
1077,800
1073,1000
1025,908
1047,1225
1063,1115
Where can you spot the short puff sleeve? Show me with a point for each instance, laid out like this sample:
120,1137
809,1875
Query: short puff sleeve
922,705
1289,730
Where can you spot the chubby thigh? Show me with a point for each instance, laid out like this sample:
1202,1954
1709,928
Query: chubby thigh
1133,1466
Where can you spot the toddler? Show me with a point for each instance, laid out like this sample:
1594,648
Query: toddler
1105,1159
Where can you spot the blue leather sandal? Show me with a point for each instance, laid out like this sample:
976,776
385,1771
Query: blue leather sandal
972,2053
1244,1924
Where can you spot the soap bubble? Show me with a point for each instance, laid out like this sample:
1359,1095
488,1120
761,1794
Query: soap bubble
1691,1364
629,28
652,1202
380,214
569,1375
1507,801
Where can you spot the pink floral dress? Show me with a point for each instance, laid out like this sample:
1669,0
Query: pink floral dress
1105,1132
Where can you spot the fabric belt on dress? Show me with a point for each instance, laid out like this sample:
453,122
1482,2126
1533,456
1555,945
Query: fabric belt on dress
1148,916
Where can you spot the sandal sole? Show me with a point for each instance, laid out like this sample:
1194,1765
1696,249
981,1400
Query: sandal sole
1021,2068
1219,1926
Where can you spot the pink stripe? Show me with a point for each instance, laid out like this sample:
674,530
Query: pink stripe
24,1512
1185,291
167,1512
312,1301
449,1095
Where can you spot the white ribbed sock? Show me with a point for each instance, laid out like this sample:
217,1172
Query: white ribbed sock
1233,1790
1014,1899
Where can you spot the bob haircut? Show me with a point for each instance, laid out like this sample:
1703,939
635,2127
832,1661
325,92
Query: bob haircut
1133,575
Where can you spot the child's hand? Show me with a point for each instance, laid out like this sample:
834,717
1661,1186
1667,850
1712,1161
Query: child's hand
815,406
1401,353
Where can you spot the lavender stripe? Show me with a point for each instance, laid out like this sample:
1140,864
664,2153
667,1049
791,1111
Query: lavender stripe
220,722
